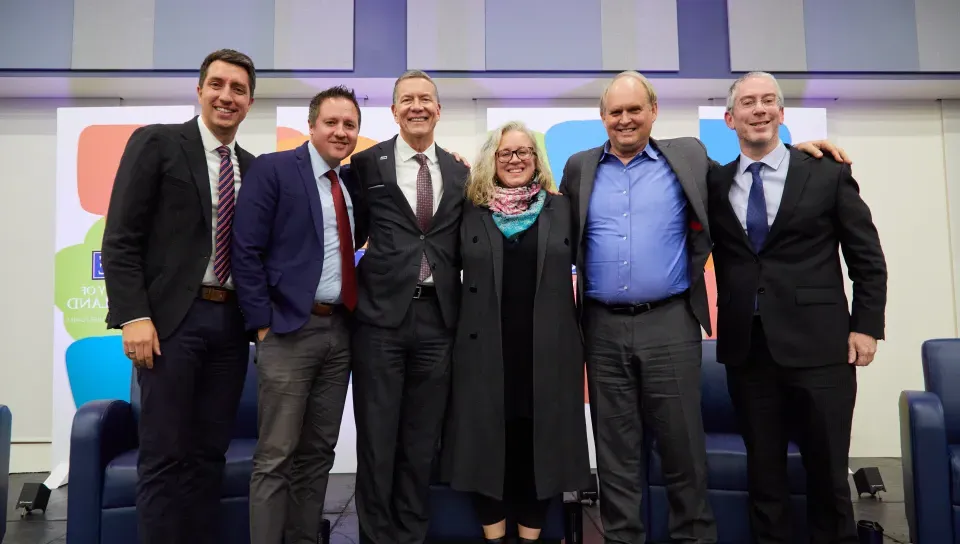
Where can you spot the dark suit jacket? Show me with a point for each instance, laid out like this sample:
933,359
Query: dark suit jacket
277,255
158,237
796,278
688,159
474,443
389,269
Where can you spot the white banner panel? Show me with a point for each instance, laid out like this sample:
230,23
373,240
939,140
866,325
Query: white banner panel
88,360
376,125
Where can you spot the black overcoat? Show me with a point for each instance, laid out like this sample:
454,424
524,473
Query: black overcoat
473,442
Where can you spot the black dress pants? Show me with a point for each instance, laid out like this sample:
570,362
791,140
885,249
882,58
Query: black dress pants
816,403
188,405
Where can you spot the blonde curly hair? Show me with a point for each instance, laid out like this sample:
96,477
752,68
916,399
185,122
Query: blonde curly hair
482,182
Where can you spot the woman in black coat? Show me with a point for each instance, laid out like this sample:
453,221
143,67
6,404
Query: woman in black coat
515,433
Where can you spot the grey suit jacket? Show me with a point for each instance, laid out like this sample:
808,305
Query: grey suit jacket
688,159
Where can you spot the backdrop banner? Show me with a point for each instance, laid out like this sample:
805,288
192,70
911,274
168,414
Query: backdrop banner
561,132
88,360
293,129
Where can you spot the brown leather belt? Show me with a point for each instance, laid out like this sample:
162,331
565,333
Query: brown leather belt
217,294
325,309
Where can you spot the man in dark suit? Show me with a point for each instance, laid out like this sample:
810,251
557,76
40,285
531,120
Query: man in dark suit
299,219
641,225
409,280
790,344
166,260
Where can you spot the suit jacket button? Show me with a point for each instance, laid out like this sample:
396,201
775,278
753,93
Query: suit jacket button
566,241
473,336
475,239
473,289
421,237
761,290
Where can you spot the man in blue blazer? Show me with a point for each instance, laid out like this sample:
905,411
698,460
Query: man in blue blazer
299,219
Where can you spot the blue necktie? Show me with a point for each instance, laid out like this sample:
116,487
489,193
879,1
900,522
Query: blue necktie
757,227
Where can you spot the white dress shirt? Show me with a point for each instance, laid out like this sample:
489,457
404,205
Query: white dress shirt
328,290
774,176
210,145
407,170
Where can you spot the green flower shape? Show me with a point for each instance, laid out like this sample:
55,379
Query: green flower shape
79,290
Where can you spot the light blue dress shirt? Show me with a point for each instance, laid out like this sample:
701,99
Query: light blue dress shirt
328,290
636,231
774,176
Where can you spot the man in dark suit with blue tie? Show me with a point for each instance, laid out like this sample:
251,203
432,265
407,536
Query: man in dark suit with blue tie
299,220
784,331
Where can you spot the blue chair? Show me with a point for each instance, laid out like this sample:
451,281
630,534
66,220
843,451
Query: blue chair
930,446
103,470
726,466
6,430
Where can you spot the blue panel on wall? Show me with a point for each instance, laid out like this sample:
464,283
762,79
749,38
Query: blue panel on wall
543,35
380,38
186,31
861,36
36,34
703,34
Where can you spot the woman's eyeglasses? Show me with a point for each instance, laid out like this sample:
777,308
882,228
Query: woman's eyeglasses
524,153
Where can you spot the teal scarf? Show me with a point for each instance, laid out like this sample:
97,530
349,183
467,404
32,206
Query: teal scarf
516,221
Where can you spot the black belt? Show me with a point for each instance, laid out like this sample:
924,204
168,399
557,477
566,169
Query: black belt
643,307
425,291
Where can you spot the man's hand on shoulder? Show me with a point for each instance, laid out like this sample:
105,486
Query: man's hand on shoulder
862,348
140,342
816,148
458,158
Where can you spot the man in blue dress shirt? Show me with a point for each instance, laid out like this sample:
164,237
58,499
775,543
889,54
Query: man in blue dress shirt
643,236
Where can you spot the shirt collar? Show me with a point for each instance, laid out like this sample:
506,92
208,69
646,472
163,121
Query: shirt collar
648,150
405,152
772,159
320,166
210,142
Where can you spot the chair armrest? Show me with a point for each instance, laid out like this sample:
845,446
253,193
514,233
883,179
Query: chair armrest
926,467
101,431
6,434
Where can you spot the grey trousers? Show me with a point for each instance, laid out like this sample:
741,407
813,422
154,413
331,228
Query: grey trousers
645,370
303,379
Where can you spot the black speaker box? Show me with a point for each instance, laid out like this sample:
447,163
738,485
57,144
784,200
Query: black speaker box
33,497
868,480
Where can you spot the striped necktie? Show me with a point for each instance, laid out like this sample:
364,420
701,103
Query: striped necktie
225,209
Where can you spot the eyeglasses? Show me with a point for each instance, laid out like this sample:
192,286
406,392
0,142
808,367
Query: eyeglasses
524,153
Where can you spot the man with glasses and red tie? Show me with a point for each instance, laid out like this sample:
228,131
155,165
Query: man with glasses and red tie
299,220
167,265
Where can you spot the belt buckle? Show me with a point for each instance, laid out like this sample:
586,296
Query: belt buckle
418,292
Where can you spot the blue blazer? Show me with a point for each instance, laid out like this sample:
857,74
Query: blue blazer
277,252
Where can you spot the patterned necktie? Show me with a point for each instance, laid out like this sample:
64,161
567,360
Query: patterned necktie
757,227
225,208
348,278
424,207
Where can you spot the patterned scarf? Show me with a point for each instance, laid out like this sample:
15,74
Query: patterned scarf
516,208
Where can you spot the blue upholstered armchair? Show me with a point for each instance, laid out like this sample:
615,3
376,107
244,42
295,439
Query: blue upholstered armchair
930,446
726,466
6,426
103,470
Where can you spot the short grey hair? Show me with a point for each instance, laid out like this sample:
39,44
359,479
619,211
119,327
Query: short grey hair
415,74
732,94
651,93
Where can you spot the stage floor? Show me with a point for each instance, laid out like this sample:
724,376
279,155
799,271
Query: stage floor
51,527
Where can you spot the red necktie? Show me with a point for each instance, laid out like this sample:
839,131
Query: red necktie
348,277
